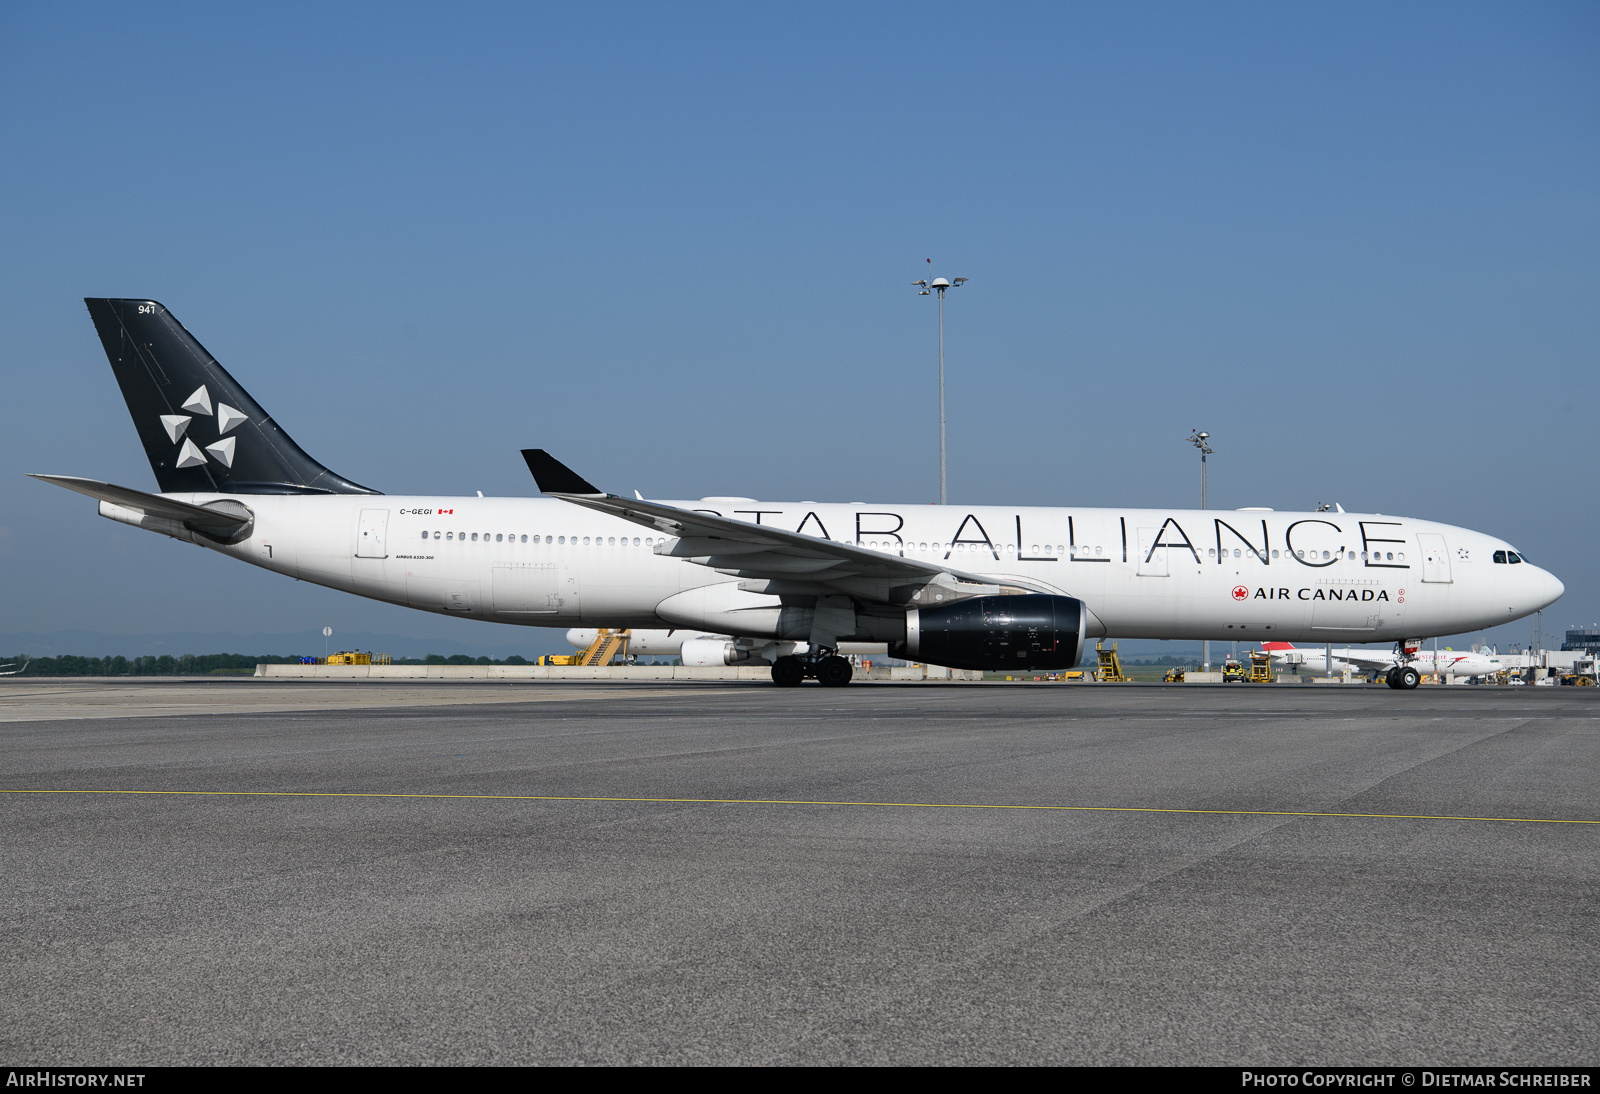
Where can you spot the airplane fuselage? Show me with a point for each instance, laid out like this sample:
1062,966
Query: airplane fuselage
1142,573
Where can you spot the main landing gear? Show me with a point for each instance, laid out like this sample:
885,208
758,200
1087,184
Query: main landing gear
831,672
1402,678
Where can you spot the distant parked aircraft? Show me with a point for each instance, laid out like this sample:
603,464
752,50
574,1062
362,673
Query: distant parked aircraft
1443,662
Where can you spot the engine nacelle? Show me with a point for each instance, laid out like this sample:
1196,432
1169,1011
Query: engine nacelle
1032,631
712,653
644,643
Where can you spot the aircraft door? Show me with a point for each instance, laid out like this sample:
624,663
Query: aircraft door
1435,557
1152,559
372,534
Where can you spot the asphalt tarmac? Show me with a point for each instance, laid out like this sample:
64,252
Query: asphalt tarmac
1184,910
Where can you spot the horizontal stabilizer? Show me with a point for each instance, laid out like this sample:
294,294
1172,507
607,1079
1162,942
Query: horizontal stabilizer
555,477
153,504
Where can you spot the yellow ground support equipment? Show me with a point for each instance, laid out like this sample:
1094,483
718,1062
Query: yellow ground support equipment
1110,670
1232,670
1260,667
1173,676
353,657
607,647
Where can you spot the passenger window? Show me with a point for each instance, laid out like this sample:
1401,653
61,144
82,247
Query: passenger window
1274,554
1236,552
424,535
563,539
586,541
498,537
1500,556
547,539
449,535
1390,556
524,539
649,541
611,541
436,535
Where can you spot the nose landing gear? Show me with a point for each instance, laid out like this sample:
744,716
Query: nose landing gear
831,672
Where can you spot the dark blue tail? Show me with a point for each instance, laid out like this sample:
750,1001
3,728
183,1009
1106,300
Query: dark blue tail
201,430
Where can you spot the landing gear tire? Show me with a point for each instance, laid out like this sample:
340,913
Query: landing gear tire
1391,678
1407,678
834,672
787,672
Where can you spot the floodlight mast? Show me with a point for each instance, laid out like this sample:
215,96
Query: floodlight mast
1199,439
939,285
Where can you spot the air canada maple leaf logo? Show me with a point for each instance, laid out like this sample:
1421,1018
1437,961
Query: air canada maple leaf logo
199,405
1240,592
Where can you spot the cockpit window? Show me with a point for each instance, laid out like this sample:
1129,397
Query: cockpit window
1512,556
1499,556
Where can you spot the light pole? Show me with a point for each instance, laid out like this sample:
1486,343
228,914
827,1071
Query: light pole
939,285
1199,439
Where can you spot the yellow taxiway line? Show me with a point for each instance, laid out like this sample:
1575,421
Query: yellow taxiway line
795,801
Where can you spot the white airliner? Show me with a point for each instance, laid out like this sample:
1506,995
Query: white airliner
1442,662
976,587
694,647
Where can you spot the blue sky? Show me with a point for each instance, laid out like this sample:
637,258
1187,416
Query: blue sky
673,244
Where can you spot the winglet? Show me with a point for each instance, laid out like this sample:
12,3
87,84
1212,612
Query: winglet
555,477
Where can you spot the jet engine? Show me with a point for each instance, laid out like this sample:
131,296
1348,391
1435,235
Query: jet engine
1032,631
713,652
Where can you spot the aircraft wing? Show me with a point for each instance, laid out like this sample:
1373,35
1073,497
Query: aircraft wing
769,559
153,504
1367,659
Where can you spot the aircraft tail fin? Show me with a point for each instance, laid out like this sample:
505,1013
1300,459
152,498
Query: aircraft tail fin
201,431
1277,645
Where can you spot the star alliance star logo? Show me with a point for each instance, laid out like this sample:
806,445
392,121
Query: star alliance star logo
177,426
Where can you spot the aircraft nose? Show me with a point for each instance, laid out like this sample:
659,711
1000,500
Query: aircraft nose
1547,588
